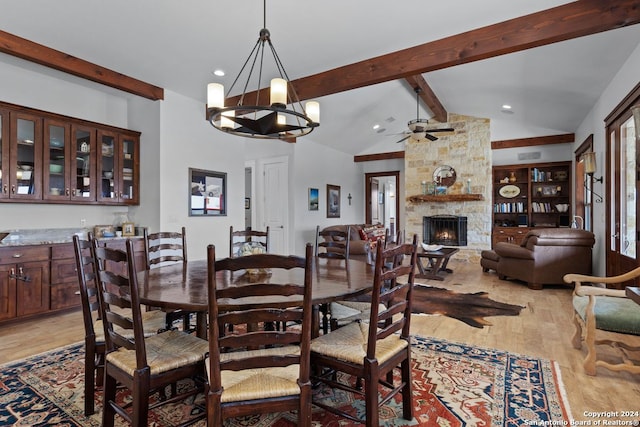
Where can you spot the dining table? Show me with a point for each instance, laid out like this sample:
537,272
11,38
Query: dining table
184,286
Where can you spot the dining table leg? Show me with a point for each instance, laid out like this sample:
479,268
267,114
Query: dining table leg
201,324
315,321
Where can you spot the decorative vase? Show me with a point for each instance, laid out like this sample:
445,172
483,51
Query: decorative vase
512,177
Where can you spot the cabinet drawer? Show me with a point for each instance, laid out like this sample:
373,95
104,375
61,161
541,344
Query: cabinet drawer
64,295
63,250
18,254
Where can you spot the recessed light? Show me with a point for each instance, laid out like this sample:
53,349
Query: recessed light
376,126
506,109
219,73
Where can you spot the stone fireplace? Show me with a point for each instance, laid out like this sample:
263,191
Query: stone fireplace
446,230
468,152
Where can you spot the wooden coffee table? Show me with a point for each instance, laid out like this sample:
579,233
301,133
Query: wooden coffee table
430,263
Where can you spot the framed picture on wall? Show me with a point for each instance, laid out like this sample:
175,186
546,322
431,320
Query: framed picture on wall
313,199
207,193
333,201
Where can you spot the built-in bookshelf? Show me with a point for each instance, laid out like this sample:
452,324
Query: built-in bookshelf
527,196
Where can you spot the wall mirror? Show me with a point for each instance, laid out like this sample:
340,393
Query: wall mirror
207,193
444,175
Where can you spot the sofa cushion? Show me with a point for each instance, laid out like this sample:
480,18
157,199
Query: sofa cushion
374,232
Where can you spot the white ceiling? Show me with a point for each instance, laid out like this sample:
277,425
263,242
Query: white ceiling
178,44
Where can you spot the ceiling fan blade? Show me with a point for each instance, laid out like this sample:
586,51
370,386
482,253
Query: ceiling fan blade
430,137
403,139
441,130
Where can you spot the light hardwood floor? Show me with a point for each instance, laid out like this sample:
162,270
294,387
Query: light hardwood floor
543,329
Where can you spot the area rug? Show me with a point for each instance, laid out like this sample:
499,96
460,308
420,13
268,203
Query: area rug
453,384
469,308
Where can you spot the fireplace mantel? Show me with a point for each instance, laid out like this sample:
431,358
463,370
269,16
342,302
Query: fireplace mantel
443,198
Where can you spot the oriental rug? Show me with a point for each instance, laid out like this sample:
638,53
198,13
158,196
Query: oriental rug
453,385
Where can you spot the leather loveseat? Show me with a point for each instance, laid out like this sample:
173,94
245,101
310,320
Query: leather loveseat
545,256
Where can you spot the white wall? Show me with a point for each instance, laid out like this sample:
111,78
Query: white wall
187,140
624,81
315,166
548,153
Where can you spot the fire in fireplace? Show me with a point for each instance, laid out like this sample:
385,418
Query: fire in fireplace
446,230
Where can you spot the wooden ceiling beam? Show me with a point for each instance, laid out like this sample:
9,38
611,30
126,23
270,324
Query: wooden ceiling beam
565,22
43,55
564,138
379,156
428,96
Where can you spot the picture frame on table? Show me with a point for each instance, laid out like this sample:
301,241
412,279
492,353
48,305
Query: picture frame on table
333,201
100,231
314,199
128,229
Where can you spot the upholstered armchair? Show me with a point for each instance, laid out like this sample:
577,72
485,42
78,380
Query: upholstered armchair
610,315
545,256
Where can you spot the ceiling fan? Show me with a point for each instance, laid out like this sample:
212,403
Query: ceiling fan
418,127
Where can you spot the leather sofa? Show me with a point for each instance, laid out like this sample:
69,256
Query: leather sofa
545,256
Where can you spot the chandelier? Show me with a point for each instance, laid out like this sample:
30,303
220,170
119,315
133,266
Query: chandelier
254,119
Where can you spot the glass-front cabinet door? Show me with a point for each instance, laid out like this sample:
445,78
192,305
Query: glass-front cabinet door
4,154
130,161
83,163
56,160
26,156
107,169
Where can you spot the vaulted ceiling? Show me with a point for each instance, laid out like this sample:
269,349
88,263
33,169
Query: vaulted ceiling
549,60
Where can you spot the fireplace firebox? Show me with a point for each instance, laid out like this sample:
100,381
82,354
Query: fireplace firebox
446,230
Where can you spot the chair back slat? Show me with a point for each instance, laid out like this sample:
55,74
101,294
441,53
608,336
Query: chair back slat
332,244
86,282
255,238
392,287
254,327
165,247
119,292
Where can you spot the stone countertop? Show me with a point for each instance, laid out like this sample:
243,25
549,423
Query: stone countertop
46,236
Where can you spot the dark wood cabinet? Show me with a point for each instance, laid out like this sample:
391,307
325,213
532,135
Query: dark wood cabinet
118,167
50,158
64,277
24,285
528,196
40,279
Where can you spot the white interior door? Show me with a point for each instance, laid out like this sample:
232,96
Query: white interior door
276,203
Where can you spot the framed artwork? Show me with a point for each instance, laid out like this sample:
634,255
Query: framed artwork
207,193
313,199
101,231
128,229
333,201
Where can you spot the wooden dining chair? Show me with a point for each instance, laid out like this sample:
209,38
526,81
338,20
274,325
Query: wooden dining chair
373,350
94,343
358,309
165,248
243,241
332,243
257,369
142,365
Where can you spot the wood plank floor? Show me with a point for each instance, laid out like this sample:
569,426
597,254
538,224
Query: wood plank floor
543,329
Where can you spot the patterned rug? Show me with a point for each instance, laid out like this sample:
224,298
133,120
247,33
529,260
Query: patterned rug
454,385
